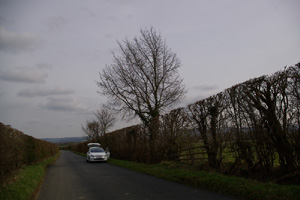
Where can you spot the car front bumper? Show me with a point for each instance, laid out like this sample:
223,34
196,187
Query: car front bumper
98,158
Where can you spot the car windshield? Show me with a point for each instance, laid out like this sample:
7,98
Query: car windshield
98,149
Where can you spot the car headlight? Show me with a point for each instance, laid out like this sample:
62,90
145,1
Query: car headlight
92,156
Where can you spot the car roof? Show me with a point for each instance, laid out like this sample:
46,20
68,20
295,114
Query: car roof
94,145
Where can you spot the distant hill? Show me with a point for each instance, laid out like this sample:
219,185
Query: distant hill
65,139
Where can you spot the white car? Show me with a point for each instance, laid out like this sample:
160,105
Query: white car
96,153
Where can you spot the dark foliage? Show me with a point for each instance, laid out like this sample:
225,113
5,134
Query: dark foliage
254,125
18,149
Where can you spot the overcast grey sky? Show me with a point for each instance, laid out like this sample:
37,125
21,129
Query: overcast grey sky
51,51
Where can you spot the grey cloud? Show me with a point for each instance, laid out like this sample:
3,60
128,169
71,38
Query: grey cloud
192,99
42,92
122,2
65,104
2,93
109,36
35,121
44,66
12,42
88,11
24,75
111,18
56,23
198,93
205,87
3,20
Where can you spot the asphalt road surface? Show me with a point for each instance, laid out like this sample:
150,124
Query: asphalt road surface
72,178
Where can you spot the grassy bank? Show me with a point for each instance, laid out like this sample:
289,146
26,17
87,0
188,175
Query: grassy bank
228,185
26,182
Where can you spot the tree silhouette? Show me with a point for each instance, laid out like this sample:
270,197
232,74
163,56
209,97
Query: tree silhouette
143,80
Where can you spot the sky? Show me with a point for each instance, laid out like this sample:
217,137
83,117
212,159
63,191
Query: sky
51,52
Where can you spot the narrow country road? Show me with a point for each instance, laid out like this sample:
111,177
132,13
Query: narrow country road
71,178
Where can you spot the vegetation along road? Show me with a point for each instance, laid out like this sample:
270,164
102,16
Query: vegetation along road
70,177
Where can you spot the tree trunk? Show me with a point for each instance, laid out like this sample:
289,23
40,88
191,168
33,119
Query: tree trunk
153,129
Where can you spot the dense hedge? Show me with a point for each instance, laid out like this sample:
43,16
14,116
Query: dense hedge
18,149
252,125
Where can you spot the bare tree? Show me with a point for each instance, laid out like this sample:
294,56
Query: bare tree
91,129
143,79
268,95
106,120
206,116
96,128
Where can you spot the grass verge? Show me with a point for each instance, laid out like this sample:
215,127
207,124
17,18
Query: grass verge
227,185
27,181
